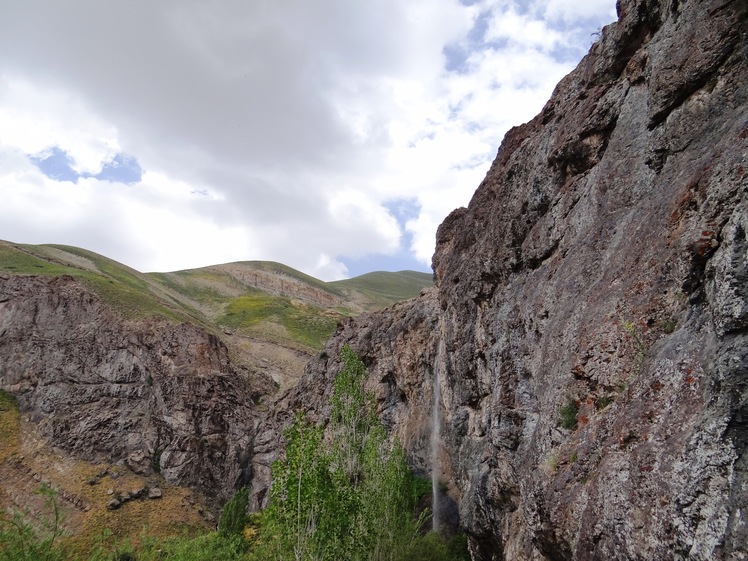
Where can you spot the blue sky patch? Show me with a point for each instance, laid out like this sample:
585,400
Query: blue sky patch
122,169
458,53
57,164
403,209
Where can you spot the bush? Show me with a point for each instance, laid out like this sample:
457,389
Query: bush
234,514
349,496
21,541
568,415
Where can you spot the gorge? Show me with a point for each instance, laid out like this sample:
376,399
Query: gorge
575,384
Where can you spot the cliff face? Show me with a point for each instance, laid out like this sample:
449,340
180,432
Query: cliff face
150,394
601,269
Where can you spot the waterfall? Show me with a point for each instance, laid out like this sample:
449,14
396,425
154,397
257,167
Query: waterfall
435,426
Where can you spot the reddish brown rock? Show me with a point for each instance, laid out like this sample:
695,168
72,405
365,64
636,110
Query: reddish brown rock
150,394
603,261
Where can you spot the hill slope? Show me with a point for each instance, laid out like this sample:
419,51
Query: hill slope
261,299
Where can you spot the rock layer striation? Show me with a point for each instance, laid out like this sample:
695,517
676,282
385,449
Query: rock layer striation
150,394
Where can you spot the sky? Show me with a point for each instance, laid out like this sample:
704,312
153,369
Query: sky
332,136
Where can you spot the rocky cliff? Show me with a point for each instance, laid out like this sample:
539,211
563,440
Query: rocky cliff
153,395
161,379
592,304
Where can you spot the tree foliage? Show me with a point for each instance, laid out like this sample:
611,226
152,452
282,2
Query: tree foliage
234,514
347,494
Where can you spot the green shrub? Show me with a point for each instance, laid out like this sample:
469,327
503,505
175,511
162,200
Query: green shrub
568,415
603,401
234,514
22,541
349,496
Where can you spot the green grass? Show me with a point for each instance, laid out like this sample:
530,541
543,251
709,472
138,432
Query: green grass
15,260
568,415
385,288
192,284
304,324
119,286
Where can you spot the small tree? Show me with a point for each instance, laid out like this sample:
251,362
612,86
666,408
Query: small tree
234,514
347,494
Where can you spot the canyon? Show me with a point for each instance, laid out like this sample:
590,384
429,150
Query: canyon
583,352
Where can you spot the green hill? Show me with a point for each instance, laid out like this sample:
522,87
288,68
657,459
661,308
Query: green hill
262,300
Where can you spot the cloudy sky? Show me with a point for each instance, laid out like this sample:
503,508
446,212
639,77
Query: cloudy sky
333,136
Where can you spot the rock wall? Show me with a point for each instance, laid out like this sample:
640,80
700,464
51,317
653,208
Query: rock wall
601,269
150,394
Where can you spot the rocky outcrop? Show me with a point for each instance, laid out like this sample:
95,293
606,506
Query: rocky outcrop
600,271
150,394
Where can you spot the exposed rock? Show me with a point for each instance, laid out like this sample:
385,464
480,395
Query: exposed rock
150,394
114,504
603,261
154,493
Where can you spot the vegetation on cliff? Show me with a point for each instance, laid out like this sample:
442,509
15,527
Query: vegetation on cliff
347,492
341,493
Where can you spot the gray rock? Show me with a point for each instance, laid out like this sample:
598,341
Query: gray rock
82,375
154,493
602,261
114,504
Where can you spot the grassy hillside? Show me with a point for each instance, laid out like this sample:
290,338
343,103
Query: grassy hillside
258,299
383,289
131,293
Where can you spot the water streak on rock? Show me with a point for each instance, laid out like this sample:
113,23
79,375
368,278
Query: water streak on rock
435,426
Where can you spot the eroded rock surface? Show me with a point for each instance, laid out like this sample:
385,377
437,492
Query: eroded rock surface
602,264
153,395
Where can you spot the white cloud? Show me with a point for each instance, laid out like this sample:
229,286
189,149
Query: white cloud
267,130
522,29
570,11
34,119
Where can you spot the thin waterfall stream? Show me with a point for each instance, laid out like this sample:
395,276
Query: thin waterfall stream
435,433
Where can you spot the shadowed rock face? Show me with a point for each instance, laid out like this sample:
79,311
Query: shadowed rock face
603,261
149,394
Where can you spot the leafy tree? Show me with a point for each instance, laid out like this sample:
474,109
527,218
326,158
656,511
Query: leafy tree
347,494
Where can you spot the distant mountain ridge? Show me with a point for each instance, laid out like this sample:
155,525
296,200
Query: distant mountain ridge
275,316
183,292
